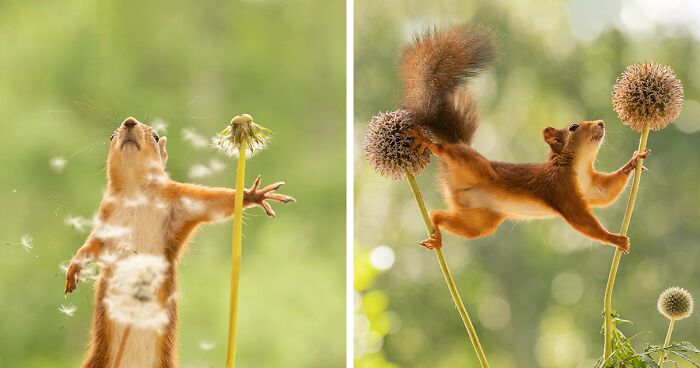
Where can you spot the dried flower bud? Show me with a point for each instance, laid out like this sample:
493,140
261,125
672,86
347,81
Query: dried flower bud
675,303
388,148
647,93
242,132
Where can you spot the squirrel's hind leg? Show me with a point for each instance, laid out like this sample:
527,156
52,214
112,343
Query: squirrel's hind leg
467,222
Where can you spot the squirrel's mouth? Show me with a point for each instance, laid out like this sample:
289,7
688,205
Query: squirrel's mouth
597,136
129,142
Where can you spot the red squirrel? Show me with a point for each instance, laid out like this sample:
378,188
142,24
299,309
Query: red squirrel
481,193
155,215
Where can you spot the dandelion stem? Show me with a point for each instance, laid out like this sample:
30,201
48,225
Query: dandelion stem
236,241
446,273
662,360
122,346
607,303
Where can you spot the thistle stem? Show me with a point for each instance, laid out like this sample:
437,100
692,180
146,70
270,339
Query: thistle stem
662,360
446,273
607,303
122,346
236,242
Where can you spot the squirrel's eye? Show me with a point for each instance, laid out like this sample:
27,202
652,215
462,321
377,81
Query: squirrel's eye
112,137
156,137
573,127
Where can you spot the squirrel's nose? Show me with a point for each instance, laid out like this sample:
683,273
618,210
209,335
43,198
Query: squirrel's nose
601,124
129,122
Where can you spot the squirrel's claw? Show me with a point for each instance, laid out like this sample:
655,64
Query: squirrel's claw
261,196
420,143
433,242
72,278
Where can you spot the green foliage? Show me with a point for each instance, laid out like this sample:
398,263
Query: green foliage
625,356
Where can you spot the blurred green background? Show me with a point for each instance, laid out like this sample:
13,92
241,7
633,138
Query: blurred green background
71,71
534,290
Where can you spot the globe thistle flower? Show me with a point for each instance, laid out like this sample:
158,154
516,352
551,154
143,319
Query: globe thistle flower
675,303
131,296
388,149
647,93
242,132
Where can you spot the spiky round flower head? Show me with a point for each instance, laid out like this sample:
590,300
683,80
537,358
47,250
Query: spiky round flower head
647,93
131,295
242,132
675,303
388,148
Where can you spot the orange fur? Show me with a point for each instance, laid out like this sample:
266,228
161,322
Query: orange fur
162,215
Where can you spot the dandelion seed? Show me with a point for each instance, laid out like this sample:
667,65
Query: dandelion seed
199,171
206,345
78,223
131,296
192,205
68,310
57,163
26,242
63,267
216,165
159,125
136,201
194,138
105,231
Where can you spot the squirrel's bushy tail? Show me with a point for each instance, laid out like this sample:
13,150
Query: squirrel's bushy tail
434,67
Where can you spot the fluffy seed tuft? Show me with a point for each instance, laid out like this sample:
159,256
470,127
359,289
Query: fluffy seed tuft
388,148
647,93
131,296
675,303
242,132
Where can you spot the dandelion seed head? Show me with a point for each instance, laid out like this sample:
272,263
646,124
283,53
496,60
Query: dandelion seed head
675,303
242,132
647,93
388,149
57,163
131,296
68,309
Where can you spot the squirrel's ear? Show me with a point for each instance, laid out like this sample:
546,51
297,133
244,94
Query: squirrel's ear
163,152
553,138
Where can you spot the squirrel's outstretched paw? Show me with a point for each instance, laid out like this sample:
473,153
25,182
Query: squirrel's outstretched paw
72,277
622,243
260,196
433,242
641,155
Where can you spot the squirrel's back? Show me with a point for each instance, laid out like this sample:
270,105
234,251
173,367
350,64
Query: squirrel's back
434,67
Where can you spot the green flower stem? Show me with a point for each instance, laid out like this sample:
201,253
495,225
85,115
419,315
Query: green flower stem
446,273
236,245
662,360
607,303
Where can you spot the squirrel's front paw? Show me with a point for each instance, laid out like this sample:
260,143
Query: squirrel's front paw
72,277
632,164
260,197
433,242
420,143
622,243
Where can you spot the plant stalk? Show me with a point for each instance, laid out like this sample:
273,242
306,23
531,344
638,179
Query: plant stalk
667,341
122,346
446,273
607,303
236,245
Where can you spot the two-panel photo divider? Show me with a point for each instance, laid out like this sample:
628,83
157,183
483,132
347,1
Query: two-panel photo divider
350,183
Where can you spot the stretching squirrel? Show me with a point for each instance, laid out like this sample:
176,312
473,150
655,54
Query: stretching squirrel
158,216
480,193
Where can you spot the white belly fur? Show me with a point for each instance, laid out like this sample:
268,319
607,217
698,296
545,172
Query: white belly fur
146,226
512,208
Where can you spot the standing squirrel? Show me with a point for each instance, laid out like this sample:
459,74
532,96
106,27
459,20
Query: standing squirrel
157,217
480,193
